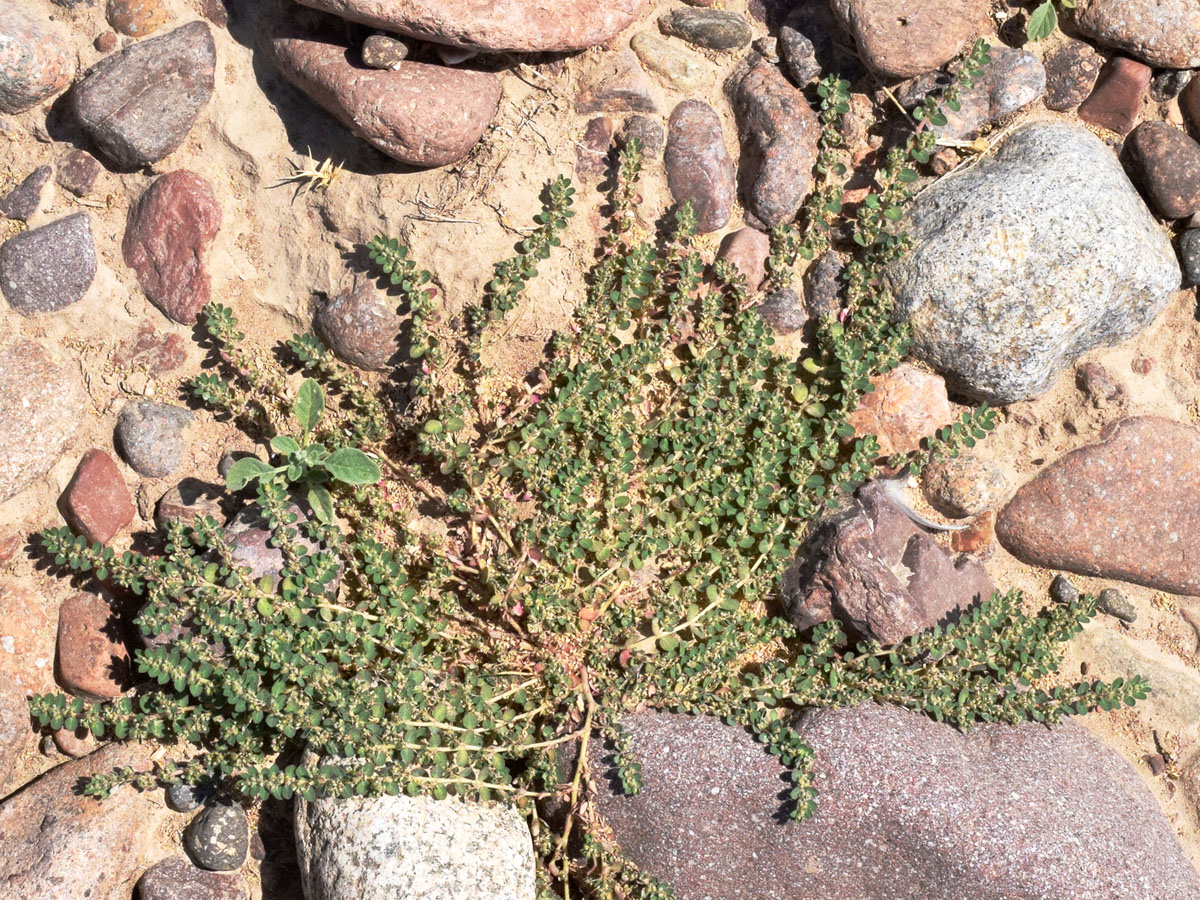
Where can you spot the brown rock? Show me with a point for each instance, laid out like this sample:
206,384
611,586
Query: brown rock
77,172
1189,103
384,51
167,235
36,61
591,154
699,167
188,501
1170,168
136,18
977,538
96,503
1116,101
908,404
902,38
1126,508
92,659
525,25
106,42
75,744
361,327
747,250
615,82
175,878
1162,33
1071,72
419,114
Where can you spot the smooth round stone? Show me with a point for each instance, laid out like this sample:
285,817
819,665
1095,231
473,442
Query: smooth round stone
150,436
218,838
382,51
189,797
48,268
1189,254
360,326
966,485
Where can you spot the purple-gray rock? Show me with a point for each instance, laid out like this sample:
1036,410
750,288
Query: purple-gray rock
150,436
36,60
713,29
799,56
360,326
77,172
883,578
26,198
647,130
175,878
699,167
1071,73
591,153
1011,81
1169,168
909,809
48,268
138,105
218,838
784,311
823,285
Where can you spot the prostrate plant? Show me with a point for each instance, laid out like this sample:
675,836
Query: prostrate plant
613,531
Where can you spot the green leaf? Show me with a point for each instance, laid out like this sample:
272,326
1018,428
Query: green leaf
1042,21
310,404
281,443
321,502
245,471
351,466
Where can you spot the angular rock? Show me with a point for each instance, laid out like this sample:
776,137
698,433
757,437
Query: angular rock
902,38
779,134
699,168
524,25
136,18
713,29
150,436
188,501
1114,603
383,51
883,578
1071,72
680,69
36,60
380,849
1116,101
139,105
908,808
419,114
591,154
1161,33
1189,253
1099,385
647,130
1011,81
747,250
218,838
1169,164
964,485
175,878
1126,508
55,842
48,268
92,659
906,405
167,235
615,83
784,311
96,503
799,56
361,327
41,408
150,351
26,198
1028,260
77,172
15,730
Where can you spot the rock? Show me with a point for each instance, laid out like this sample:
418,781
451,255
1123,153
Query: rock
1166,86
879,575
150,436
747,250
26,198
390,847
823,285
96,503
1112,602
647,130
699,168
15,730
1116,101
614,82
136,18
75,744
908,808
591,153
523,25
943,161
188,501
1071,72
779,134
833,47
1011,81
680,69
799,56
906,405
1126,508
1161,33
713,29
419,114
215,11
48,268
106,42
175,878
902,38
167,236
56,842
140,104
218,838
977,538
1101,388
186,798
1189,102
964,485
1169,163
77,172
383,51
41,406
1062,590
36,60
1004,287
151,352
249,537
92,659
1112,653
361,327
784,311
1189,253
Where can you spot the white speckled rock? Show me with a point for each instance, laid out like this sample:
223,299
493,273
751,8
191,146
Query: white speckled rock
1161,33
415,848
1028,260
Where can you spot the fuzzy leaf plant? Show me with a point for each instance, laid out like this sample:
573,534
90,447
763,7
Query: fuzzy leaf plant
478,584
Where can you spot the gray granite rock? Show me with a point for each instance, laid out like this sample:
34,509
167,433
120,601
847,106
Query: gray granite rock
218,838
150,436
1029,259
1160,33
48,268
26,198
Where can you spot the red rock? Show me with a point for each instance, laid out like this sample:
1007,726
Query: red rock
419,114
902,38
36,61
964,485
96,503
26,639
151,351
167,235
92,659
747,250
699,168
1170,168
1116,101
77,172
908,404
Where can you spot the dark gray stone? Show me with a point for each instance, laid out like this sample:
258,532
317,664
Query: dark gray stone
1062,590
26,198
189,797
150,436
1114,603
48,268
784,311
218,838
384,51
823,285
1189,254
799,56
647,130
713,29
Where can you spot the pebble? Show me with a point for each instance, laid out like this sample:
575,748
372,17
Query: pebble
23,201
977,538
136,18
106,42
167,235
453,56
1168,85
699,168
1099,385
833,48
187,798
615,82
175,878
1162,33
218,838
1189,254
747,250
384,51
799,56
139,105
823,285
784,311
36,60
1071,72
779,134
1169,165
647,130
591,154
96,502
150,436
75,744
943,161
361,326
713,29
680,69
902,39
91,658
1063,590
77,172
188,501
1011,81
1116,101
907,405
964,485
48,268
1113,602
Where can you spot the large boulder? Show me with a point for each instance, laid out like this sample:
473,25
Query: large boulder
1029,259
909,809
